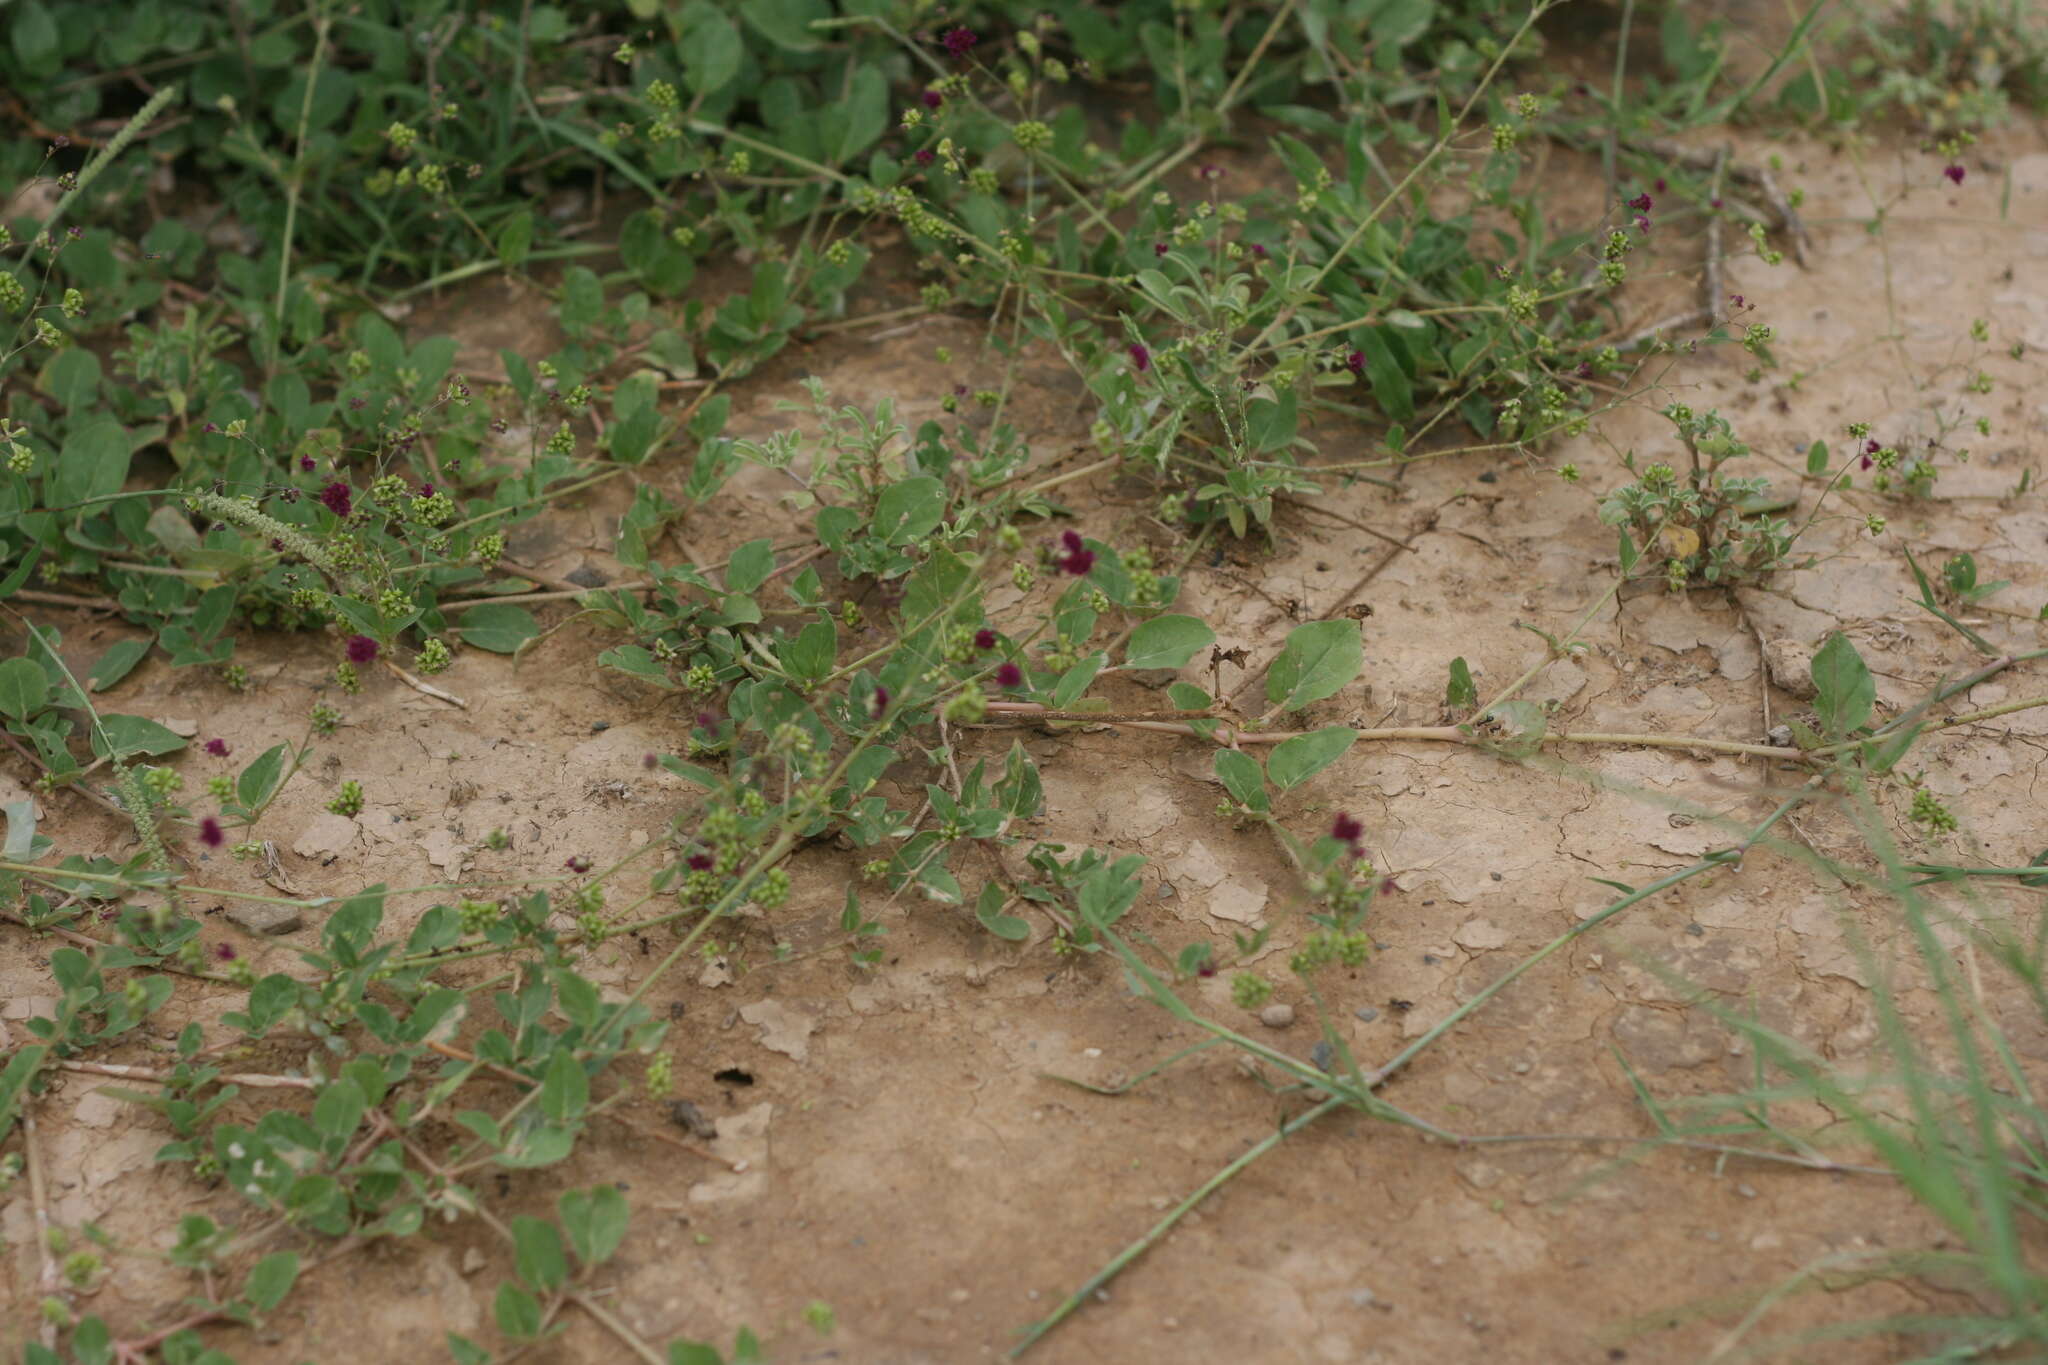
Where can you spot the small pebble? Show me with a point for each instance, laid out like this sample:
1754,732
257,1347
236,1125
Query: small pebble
1277,1016
1366,1013
1746,1191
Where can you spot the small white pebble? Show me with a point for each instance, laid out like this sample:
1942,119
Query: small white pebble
1091,1052
1746,1191
1277,1016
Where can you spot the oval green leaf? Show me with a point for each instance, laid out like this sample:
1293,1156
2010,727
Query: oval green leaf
1167,642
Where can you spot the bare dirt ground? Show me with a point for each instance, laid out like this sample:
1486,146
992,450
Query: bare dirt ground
909,1163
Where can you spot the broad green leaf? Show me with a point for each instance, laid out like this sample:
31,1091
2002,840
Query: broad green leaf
517,1312
863,114
988,909
1075,681
24,689
500,627
750,566
538,1256
910,509
92,464
639,663
1319,659
1167,642
564,1087
1844,689
20,842
711,52
270,1279
809,656
1817,458
595,1220
72,378
785,23
258,782
337,1112
1391,387
515,238
117,663
133,735
1271,425
1294,761
1242,778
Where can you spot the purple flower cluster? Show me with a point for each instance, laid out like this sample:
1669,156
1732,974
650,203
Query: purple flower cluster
1076,558
1347,830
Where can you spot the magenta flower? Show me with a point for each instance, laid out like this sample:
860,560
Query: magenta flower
699,862
361,649
648,760
225,952
878,705
958,41
1141,359
707,720
217,747
1347,830
984,638
1355,362
1954,171
933,99
1258,251
338,498
1009,675
1159,248
209,833
578,863
1641,203
922,156
1078,559
306,463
